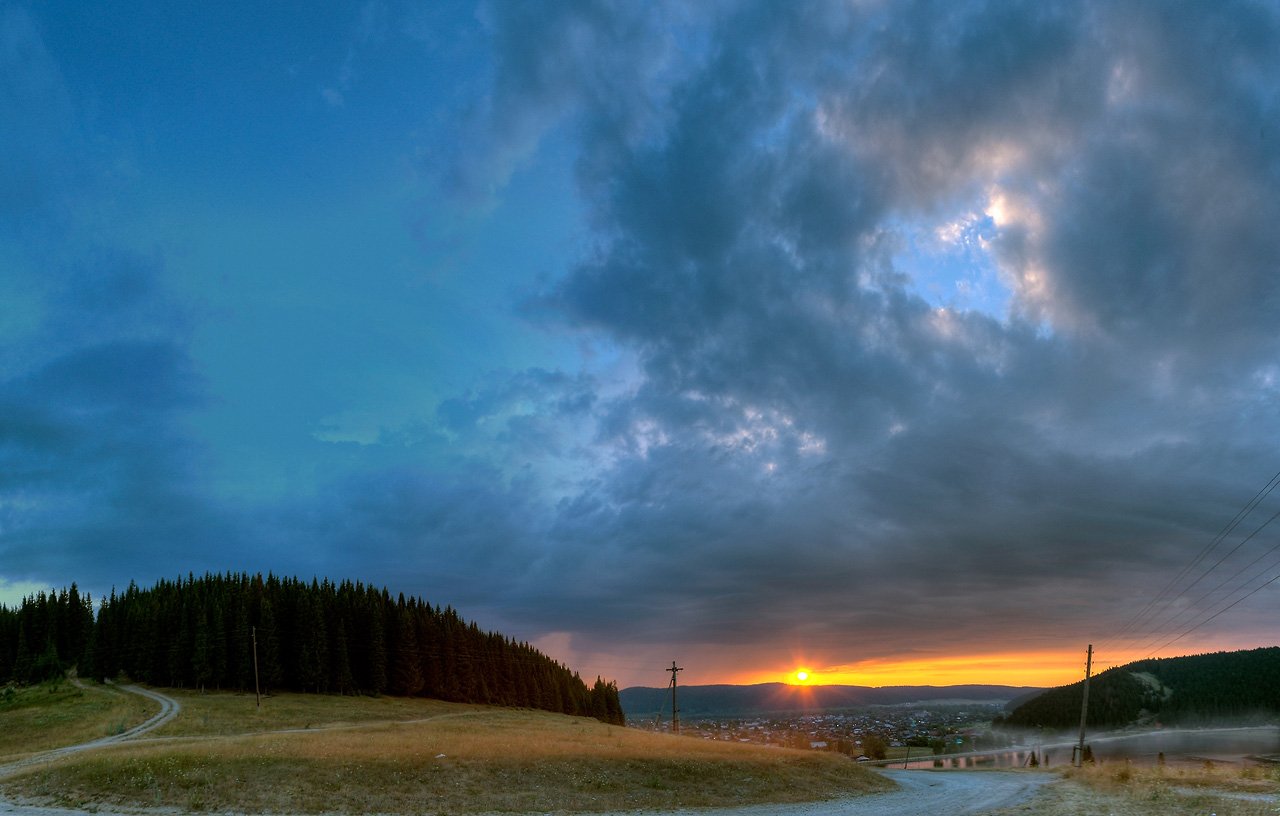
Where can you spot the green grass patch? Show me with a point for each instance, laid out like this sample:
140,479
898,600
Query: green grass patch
58,713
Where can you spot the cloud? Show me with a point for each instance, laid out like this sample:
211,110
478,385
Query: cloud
611,60
810,441
776,441
94,462
370,29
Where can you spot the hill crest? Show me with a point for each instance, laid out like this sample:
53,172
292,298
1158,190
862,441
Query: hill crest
1184,690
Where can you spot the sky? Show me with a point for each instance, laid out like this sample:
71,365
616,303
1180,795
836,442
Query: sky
904,342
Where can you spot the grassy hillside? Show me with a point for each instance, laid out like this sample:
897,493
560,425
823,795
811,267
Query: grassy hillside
1185,690
310,753
51,715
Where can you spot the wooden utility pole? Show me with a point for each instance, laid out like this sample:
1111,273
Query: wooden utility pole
257,691
1084,704
675,709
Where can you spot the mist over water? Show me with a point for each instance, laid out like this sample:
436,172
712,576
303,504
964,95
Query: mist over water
1250,745
1188,745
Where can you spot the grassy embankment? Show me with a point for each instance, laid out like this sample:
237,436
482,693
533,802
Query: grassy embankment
307,754
1186,790
56,714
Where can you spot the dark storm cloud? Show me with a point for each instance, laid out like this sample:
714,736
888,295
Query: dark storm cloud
459,537
811,440
1153,229
93,462
548,58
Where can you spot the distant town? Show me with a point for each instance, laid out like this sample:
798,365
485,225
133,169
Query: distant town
880,732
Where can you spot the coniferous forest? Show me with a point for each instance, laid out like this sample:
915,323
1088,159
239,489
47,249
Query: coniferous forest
311,637
1198,689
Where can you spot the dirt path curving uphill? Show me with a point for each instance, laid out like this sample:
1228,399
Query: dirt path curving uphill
169,709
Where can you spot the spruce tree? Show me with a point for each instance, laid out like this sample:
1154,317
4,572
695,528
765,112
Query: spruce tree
339,660
270,671
201,659
408,672
376,657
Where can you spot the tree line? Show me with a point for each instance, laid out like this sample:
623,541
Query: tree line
1184,690
317,637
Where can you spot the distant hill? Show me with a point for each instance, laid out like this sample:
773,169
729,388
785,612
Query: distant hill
1185,690
763,698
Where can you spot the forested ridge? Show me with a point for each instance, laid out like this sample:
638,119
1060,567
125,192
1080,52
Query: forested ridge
344,638
1185,690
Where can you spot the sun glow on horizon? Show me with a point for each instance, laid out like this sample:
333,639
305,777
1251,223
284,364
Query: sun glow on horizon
1033,668
1041,669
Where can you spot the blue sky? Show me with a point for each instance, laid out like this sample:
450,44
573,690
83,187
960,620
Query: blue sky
749,334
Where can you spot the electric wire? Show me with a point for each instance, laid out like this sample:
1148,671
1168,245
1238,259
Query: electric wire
1159,630
1251,593
1161,626
1162,599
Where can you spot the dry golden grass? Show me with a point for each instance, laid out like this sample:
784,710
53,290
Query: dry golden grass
1130,790
52,715
225,713
450,759
1120,776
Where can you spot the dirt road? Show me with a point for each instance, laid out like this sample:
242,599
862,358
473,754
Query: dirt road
952,792
169,709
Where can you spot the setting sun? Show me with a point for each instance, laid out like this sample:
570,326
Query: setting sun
1042,668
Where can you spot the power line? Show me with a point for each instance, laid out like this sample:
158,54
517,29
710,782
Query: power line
1162,599
1172,622
675,709
1154,612
1249,594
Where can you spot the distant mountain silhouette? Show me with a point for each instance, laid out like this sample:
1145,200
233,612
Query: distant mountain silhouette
1185,690
764,698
